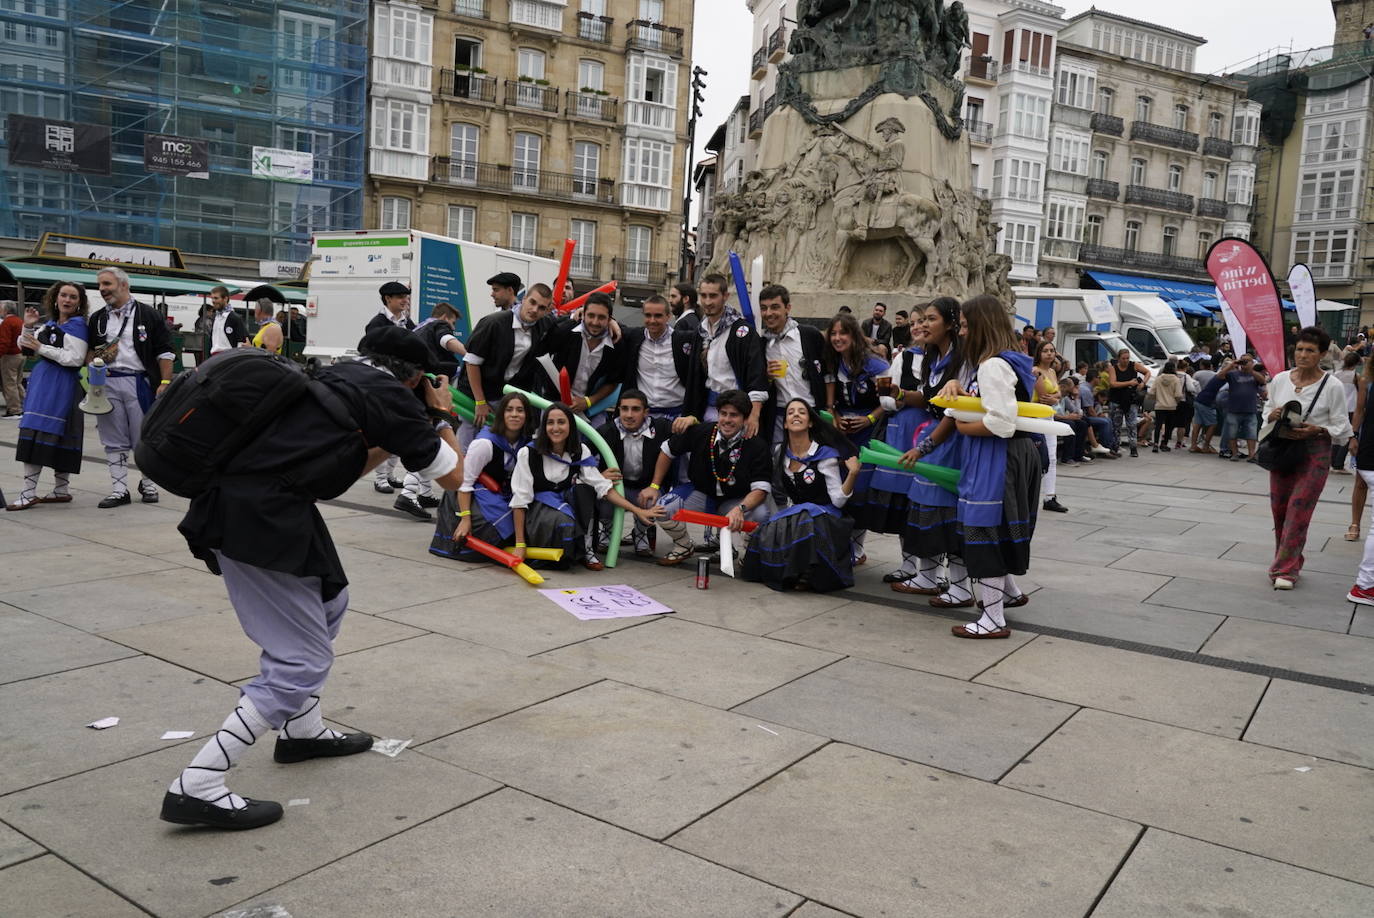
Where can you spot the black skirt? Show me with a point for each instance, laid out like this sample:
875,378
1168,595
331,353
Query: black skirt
446,524
807,546
993,552
60,452
931,532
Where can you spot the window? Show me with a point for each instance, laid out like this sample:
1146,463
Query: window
1204,242
1101,162
1340,100
403,33
1069,153
537,13
648,170
1175,177
586,168
1326,252
1018,241
652,91
1215,122
1170,240
1063,219
583,232
651,10
305,38
1132,235
590,75
401,126
1209,185
462,222
1092,230
529,62
1245,126
1328,194
1030,115
1077,88
467,53
1022,179
1137,171
462,152
1332,141
524,232
395,213
1240,186
1106,98
639,242
525,163
1181,117
1142,108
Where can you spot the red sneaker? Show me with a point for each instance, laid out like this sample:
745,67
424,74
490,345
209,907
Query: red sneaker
1362,595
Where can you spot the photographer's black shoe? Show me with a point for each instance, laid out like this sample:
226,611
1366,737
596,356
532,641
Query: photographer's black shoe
115,500
192,811
429,502
408,505
299,750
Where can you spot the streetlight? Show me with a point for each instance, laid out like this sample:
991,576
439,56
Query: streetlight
698,84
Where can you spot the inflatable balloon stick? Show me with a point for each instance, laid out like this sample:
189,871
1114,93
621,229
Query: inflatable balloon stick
563,267
571,305
504,557
710,519
489,483
937,474
542,554
973,403
742,289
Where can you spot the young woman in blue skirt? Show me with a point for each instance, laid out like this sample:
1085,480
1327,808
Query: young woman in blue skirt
851,382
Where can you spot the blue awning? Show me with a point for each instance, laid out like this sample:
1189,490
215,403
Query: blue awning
1191,308
1171,291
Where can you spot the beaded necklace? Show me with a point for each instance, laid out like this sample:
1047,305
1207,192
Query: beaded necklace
732,456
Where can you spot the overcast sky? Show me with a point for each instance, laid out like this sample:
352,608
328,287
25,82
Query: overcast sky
1236,32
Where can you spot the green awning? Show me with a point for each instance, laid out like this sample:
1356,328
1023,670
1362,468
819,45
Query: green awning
43,275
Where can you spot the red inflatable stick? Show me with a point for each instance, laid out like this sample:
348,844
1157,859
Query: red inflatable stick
564,387
504,557
570,305
710,519
563,267
489,483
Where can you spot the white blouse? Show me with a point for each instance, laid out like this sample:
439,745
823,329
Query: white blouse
72,353
997,389
522,478
1329,412
830,470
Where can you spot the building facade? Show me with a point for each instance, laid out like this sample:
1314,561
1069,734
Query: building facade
521,123
1150,163
273,89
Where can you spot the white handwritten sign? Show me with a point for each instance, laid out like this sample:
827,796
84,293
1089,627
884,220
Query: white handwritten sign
615,601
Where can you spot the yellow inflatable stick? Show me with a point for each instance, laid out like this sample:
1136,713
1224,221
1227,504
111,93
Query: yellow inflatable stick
973,403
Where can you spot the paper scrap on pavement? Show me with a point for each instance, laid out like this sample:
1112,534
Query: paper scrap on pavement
613,601
1303,768
103,723
179,734
299,801
727,552
390,747
766,730
259,911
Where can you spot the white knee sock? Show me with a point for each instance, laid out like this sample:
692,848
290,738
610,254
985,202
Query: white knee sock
925,572
31,473
204,777
911,566
61,482
119,473
308,723
959,587
1010,588
992,590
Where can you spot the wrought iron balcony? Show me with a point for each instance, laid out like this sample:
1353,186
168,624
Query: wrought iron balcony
1211,207
590,106
1215,146
979,69
473,9
1060,248
760,64
1101,188
524,94
1164,136
1158,197
777,44
585,266
515,180
634,271
1107,124
464,84
755,123
978,131
769,106
1023,67
591,27
1129,258
643,35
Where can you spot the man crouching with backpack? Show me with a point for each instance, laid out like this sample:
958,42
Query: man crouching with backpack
257,526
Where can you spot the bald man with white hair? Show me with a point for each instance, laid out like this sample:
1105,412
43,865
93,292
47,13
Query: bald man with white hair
138,356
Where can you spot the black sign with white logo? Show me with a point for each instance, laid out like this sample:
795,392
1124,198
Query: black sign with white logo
169,155
62,145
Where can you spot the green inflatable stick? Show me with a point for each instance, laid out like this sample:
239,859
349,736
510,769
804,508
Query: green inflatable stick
937,474
882,446
599,444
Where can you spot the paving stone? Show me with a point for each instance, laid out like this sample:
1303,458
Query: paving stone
748,607
1263,532
1108,514
156,538
631,757
511,854
1066,575
214,644
1363,621
15,848
1223,791
47,886
875,835
1316,721
81,517
1096,613
697,662
78,564
1169,876
815,910
31,645
45,718
106,821
1320,562
432,685
1322,607
1341,656
1140,685
1083,551
1207,568
902,638
935,720
15,536
1201,512
124,602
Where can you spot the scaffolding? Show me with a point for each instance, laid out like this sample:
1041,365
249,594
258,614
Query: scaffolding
236,74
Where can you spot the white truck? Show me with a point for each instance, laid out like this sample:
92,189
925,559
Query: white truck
348,267
1093,325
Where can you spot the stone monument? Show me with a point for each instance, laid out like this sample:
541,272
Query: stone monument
861,191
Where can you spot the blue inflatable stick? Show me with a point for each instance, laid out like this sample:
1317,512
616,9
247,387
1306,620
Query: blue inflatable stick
742,289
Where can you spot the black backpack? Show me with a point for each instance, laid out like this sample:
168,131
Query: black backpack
209,413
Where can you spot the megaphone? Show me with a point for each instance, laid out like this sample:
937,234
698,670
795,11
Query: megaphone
95,401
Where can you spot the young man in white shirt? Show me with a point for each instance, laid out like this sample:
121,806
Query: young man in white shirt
793,353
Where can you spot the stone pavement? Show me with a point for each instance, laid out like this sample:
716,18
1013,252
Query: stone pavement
1162,736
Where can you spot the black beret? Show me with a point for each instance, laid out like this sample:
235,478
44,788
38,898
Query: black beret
394,341
394,288
505,279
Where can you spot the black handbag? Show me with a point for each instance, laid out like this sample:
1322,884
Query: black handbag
1279,453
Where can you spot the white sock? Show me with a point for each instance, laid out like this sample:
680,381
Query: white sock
61,482
1009,586
146,487
960,589
992,591
308,723
911,565
204,777
925,573
119,473
31,473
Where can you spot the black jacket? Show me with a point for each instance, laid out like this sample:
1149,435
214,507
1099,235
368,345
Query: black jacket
445,361
494,341
564,344
754,463
879,330
744,350
813,371
235,329
383,319
686,361
151,337
651,446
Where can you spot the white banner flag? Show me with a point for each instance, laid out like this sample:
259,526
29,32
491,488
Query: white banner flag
1233,327
1304,294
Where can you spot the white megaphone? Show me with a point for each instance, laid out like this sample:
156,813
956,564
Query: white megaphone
95,401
